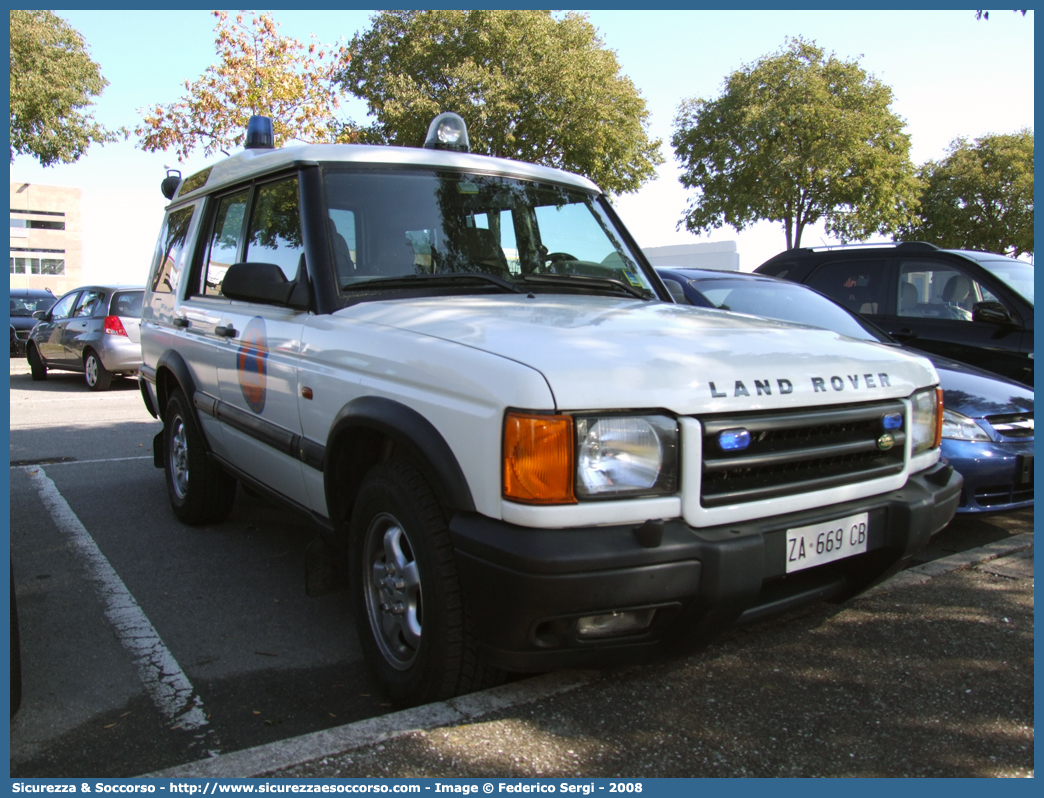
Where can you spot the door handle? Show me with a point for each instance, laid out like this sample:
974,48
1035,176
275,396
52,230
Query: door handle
227,331
905,334
181,322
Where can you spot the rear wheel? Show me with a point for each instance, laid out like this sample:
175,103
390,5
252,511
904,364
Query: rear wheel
36,364
406,597
200,491
95,374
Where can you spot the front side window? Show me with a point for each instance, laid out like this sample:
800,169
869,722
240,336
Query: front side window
275,228
1016,274
63,308
934,290
858,285
224,240
408,227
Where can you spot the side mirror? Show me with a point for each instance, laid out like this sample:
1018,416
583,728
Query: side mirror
264,283
41,315
992,312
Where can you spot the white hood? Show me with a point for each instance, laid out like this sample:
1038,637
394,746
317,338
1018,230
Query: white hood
608,353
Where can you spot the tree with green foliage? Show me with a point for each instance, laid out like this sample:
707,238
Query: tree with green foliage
529,86
798,137
53,85
259,72
980,196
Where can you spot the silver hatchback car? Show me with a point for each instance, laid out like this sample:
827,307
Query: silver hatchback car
93,330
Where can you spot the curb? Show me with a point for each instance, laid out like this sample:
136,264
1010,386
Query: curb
920,574
266,759
253,762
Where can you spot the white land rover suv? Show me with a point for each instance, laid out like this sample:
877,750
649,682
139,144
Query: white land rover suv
526,455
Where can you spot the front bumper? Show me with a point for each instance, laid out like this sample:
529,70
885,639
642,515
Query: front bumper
997,476
525,588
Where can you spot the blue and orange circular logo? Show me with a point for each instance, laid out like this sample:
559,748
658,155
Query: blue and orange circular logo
251,363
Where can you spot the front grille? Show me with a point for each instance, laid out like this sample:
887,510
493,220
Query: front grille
799,451
997,495
1012,425
22,335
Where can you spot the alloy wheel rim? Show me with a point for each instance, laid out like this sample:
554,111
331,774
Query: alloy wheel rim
393,591
179,469
92,370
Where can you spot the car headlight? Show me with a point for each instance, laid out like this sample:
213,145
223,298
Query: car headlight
557,459
619,455
926,419
961,428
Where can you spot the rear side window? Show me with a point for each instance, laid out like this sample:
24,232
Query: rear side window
858,285
167,268
126,303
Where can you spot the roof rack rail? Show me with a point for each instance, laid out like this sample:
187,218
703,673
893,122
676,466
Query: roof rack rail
906,246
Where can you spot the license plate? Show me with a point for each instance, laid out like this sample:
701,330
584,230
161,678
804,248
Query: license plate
808,546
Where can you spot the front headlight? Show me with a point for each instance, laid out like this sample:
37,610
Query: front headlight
961,428
926,420
626,455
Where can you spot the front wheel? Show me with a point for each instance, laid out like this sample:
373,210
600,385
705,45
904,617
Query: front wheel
36,364
406,597
97,377
200,491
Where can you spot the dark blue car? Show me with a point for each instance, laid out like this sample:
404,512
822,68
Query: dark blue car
24,303
987,420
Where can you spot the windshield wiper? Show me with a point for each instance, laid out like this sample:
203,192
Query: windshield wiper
410,280
594,282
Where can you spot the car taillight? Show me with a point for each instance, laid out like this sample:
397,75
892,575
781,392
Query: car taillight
113,326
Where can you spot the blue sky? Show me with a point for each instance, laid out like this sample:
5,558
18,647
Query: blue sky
951,76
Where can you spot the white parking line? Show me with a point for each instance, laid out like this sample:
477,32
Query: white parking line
164,681
88,462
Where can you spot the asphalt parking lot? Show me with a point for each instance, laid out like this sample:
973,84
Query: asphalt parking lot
931,677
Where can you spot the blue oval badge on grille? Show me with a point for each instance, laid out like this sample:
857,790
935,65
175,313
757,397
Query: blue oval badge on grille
731,440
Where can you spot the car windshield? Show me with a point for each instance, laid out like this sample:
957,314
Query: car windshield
783,301
26,306
404,229
1016,274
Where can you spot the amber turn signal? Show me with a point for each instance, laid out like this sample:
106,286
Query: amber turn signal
938,417
538,459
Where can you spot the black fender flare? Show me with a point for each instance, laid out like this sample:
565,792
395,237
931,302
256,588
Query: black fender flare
174,363
408,429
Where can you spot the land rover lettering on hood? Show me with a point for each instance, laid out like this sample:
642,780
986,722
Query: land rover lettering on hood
521,453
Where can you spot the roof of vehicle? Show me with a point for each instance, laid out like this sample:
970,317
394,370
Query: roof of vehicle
250,163
855,250
30,292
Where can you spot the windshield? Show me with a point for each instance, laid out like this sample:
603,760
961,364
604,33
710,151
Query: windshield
405,225
784,301
1016,274
26,306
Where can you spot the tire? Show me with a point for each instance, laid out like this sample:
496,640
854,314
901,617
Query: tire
97,377
405,593
200,491
36,364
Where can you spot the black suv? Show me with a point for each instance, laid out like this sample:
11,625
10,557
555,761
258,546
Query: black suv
975,307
